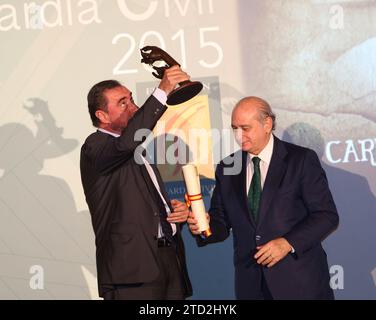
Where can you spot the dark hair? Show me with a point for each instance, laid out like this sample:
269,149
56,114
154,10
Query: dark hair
96,99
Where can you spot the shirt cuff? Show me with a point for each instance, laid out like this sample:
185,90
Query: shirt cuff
160,95
292,249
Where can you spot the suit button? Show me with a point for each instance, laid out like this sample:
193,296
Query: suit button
258,238
155,214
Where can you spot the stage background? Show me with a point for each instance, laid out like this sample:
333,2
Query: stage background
312,60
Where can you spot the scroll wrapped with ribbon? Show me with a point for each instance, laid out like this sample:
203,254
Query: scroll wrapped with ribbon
194,198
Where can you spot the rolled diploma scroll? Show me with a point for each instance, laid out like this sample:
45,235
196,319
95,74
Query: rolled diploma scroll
194,198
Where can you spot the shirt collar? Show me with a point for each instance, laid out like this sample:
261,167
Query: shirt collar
116,135
266,154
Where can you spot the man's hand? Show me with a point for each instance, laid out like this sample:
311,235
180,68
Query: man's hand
180,213
272,252
172,76
193,224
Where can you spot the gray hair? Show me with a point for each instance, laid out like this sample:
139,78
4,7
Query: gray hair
264,109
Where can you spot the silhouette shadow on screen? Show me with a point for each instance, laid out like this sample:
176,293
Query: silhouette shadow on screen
39,222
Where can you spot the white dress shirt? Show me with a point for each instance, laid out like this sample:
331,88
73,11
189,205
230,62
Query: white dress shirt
265,155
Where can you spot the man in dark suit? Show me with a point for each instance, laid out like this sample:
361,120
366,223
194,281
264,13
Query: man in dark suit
139,249
279,207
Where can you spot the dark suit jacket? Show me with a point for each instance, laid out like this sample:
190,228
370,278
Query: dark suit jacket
296,204
124,204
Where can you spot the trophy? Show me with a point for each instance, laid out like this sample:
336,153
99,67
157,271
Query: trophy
186,90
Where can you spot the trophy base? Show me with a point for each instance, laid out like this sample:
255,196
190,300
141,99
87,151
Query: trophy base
186,91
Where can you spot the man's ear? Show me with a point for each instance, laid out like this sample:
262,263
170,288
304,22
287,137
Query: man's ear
268,124
102,116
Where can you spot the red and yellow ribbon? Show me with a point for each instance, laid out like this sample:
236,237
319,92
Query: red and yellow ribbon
190,198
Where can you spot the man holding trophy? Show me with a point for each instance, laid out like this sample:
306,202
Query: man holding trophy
139,249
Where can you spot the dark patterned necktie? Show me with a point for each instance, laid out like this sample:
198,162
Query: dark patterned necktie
254,193
165,225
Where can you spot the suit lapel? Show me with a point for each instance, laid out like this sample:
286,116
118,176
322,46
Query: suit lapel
150,184
240,184
161,186
276,172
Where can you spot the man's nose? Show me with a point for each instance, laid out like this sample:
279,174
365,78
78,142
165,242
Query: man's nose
134,107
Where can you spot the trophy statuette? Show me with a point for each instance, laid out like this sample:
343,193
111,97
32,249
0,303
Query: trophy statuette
186,90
